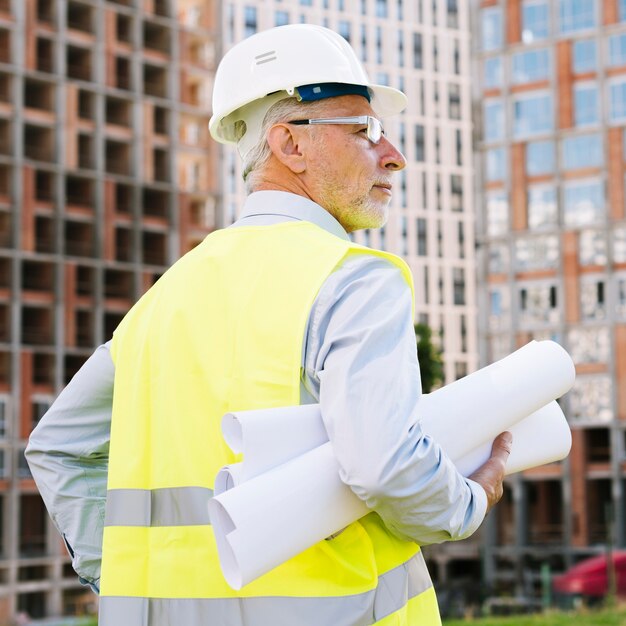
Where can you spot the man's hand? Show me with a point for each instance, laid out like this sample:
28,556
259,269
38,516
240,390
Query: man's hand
491,474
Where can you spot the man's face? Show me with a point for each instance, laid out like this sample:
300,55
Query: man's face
346,173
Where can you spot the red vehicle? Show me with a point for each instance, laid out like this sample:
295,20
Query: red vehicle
589,577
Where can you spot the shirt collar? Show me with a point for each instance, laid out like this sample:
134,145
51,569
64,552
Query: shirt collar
291,206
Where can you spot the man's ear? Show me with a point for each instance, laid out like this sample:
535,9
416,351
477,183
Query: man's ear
286,145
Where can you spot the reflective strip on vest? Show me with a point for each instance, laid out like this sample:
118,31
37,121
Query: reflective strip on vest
395,588
178,506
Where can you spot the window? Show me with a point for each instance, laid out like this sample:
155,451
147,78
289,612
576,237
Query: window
583,202
576,15
497,213
535,24
453,14
494,120
495,164
588,345
539,158
584,56
454,101
586,104
592,248
542,207
250,21
498,262
492,72
592,298
458,286
620,296
379,45
422,242
282,18
617,100
499,307
4,416
381,8
531,66
582,151
536,253
617,49
419,143
538,304
417,51
363,42
491,28
622,10
401,48
532,115
590,399
344,29
456,193
619,244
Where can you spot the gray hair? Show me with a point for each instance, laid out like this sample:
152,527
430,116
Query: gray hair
282,111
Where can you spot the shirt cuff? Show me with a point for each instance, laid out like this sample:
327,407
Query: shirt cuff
480,506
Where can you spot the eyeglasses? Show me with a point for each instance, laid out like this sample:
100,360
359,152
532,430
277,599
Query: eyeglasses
375,130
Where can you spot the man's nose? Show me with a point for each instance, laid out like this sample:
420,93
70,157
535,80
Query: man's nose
391,158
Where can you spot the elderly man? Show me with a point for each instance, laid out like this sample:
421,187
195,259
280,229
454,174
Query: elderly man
279,309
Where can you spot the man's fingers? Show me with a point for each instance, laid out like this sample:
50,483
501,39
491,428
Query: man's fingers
501,447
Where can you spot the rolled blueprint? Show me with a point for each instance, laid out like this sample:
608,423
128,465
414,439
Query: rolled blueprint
287,500
542,437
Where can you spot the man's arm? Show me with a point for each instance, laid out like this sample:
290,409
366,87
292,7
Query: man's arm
361,362
68,457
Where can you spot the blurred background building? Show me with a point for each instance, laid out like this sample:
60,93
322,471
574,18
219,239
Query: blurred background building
515,178
106,177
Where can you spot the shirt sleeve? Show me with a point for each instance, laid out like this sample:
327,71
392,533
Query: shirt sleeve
68,456
361,363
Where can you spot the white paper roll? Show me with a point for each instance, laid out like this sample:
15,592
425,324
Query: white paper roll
269,437
271,518
542,437
481,405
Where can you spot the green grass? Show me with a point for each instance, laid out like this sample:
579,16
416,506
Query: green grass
616,617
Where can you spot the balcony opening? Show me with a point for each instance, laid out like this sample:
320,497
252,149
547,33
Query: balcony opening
79,191
73,362
123,198
45,11
155,202
119,284
84,329
155,80
32,572
124,28
44,234
123,244
598,445
45,55
123,73
202,213
154,248
38,276
599,508
156,37
161,121
6,92
161,165
6,230
37,325
80,16
38,143
5,368
85,280
111,322
78,63
32,604
6,145
44,186
117,156
5,45
5,322
86,105
545,512
5,182
79,239
163,8
118,112
44,368
85,152
6,266
38,95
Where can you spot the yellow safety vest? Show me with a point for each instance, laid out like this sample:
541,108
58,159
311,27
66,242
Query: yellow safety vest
222,330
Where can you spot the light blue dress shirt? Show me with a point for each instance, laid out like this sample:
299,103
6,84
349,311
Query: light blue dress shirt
359,362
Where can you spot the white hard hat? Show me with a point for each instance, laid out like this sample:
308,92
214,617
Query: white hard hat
272,65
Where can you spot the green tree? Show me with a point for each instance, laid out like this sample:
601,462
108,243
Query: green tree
429,357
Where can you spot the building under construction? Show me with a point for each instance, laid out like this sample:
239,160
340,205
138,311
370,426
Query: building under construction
106,177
